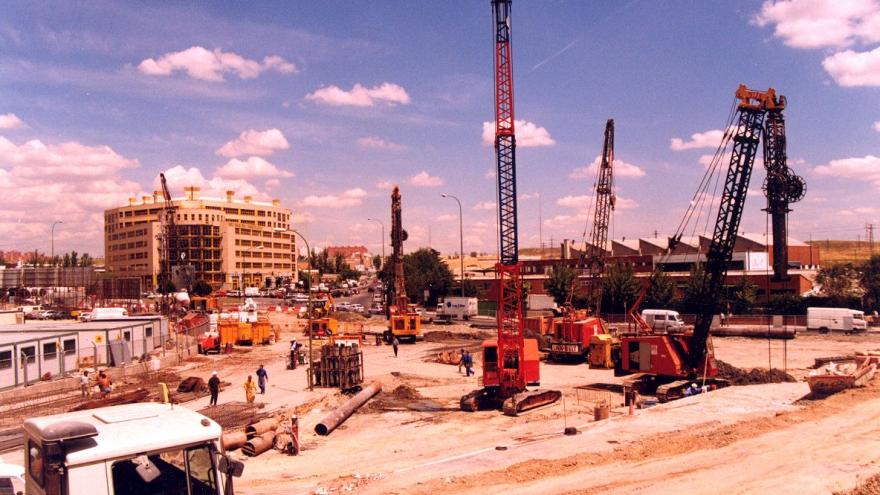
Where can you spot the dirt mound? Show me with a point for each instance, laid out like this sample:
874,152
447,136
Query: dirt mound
444,335
870,486
405,392
739,376
348,316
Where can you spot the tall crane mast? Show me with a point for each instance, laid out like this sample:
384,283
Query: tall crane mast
169,233
604,206
781,187
506,368
403,321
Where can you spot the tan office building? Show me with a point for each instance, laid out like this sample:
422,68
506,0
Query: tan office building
227,241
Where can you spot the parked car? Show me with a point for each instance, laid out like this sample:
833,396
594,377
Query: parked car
358,308
233,293
343,306
377,309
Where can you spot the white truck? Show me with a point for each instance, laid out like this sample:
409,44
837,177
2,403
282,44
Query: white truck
540,302
457,308
107,314
130,449
663,320
251,292
842,319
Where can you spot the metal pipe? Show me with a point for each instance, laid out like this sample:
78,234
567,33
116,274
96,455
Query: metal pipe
260,427
341,413
233,440
257,445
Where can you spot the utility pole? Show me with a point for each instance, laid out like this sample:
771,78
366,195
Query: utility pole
869,230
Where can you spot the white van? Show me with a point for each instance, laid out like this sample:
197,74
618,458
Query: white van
663,319
107,314
842,319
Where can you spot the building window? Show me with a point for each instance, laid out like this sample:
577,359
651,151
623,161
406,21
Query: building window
5,360
50,350
69,347
30,354
127,336
148,332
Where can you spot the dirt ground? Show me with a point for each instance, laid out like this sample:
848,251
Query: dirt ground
412,438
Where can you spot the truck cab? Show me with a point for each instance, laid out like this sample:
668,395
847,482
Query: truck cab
133,449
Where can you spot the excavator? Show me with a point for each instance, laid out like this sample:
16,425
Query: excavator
578,332
669,362
510,362
403,320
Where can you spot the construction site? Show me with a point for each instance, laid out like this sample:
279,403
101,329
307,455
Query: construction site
545,383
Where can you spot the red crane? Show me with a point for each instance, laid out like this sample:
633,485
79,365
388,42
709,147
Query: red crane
510,362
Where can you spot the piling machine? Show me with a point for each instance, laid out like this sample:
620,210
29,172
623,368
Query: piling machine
403,320
577,331
510,362
667,362
168,236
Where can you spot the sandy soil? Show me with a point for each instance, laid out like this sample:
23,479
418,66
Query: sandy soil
754,439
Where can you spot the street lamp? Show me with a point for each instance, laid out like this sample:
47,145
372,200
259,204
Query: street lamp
56,222
383,238
460,238
309,309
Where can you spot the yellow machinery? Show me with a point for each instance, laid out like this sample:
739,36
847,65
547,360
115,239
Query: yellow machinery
603,348
406,327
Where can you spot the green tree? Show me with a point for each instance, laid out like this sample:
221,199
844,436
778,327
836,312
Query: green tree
693,290
201,288
86,260
839,282
870,281
559,282
787,304
166,287
65,261
304,279
348,273
661,292
620,288
377,262
422,270
741,297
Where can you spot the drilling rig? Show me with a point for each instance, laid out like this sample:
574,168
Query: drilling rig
574,333
668,362
510,362
168,237
403,320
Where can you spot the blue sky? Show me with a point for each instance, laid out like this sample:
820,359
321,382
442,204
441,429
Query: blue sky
325,104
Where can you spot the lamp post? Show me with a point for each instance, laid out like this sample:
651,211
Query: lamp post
460,238
56,222
383,239
309,309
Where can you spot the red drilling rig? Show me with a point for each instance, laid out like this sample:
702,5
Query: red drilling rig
510,362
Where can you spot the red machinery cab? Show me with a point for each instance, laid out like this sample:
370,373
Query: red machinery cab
571,337
530,365
662,354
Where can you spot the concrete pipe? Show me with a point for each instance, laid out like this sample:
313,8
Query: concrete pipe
260,427
233,440
257,445
341,413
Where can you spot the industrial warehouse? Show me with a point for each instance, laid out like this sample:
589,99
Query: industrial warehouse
575,248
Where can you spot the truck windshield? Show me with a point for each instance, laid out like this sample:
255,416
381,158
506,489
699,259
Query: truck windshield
180,472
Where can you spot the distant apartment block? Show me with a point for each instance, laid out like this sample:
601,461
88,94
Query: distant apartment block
229,242
355,256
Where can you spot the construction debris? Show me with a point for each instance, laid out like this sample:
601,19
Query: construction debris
834,377
138,395
739,376
234,414
447,357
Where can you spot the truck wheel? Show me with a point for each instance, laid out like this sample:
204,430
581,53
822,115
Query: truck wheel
823,330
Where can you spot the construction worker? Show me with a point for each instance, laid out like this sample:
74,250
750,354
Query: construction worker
461,359
394,344
262,379
293,348
84,387
468,363
105,384
250,389
214,387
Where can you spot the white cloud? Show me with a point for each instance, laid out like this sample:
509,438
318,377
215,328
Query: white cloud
850,68
71,182
349,198
384,184
301,217
447,217
877,126
207,65
485,206
11,121
424,179
528,196
36,159
583,202
253,142
489,173
621,169
376,143
252,167
708,139
565,221
528,134
866,168
361,96
822,23
272,183
180,176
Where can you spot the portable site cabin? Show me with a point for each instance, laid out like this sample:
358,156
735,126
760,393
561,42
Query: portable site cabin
26,356
90,344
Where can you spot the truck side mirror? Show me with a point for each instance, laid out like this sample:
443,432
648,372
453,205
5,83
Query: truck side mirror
231,467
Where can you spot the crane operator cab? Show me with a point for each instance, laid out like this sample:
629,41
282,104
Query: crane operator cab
133,449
